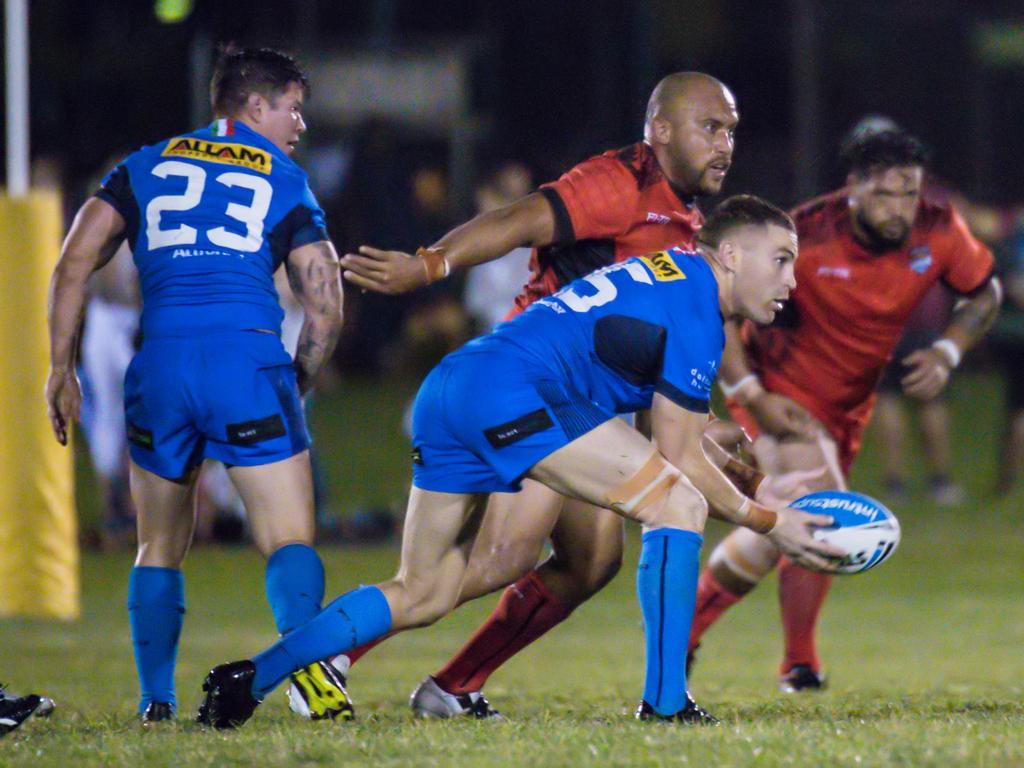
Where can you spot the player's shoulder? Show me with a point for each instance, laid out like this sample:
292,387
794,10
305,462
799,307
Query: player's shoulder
680,270
633,166
818,219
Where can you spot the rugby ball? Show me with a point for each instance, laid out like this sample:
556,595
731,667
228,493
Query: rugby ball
862,527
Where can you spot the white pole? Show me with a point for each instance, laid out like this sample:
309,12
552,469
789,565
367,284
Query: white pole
16,45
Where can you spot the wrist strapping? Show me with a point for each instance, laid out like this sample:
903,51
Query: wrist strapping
744,390
949,350
757,518
435,263
744,477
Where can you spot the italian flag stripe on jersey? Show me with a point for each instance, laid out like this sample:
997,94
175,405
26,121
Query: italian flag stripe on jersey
223,127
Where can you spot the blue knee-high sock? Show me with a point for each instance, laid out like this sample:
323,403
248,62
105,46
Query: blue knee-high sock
666,583
295,585
156,609
355,618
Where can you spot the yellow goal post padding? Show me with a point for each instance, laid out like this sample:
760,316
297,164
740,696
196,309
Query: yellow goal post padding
39,559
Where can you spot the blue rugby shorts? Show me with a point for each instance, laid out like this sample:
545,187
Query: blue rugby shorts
229,396
483,418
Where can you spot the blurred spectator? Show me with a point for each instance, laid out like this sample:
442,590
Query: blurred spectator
1007,342
433,320
492,287
923,327
1003,228
393,202
109,341
108,345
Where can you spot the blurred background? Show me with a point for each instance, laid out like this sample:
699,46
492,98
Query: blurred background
423,114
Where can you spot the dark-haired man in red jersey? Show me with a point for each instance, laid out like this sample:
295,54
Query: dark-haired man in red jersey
804,387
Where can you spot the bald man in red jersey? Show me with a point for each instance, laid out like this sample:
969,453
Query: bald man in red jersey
622,203
804,387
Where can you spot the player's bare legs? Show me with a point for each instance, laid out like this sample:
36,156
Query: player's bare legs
437,542
890,419
278,501
587,543
934,416
433,553
165,517
508,545
511,538
279,505
743,558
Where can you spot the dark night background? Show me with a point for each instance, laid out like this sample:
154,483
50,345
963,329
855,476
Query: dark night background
556,81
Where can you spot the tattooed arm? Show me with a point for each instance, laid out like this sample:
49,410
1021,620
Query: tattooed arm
316,282
931,366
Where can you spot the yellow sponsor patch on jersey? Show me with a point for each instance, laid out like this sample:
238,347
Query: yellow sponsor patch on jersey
216,152
663,266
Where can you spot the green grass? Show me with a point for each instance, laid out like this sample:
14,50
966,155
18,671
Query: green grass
925,653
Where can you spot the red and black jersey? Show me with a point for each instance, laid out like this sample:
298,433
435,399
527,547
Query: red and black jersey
828,348
607,209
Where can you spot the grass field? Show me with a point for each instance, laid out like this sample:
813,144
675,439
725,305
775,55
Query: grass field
926,654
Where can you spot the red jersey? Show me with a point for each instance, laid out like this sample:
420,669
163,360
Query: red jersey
828,348
608,208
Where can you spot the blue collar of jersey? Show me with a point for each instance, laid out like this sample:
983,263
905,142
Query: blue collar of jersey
242,132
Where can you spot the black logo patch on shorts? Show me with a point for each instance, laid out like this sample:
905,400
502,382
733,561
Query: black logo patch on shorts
140,437
256,431
518,429
417,457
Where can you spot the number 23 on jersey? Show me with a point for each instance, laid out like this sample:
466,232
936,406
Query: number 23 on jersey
251,216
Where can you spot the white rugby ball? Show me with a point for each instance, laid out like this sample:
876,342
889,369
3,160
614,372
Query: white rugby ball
862,527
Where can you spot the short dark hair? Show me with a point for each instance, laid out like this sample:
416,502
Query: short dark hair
740,211
240,72
884,149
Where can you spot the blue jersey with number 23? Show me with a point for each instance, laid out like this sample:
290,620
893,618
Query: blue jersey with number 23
210,216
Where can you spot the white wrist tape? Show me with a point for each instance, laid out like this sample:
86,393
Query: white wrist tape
730,390
949,350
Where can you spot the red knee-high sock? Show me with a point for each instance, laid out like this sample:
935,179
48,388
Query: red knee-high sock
526,611
801,595
712,601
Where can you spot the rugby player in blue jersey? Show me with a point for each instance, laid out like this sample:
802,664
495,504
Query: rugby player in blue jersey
210,215
537,398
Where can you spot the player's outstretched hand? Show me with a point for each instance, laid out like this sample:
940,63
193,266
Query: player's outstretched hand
779,490
779,416
792,534
929,372
390,272
63,401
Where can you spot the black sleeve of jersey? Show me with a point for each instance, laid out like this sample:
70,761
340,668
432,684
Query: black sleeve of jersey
117,191
680,398
298,227
564,232
974,291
